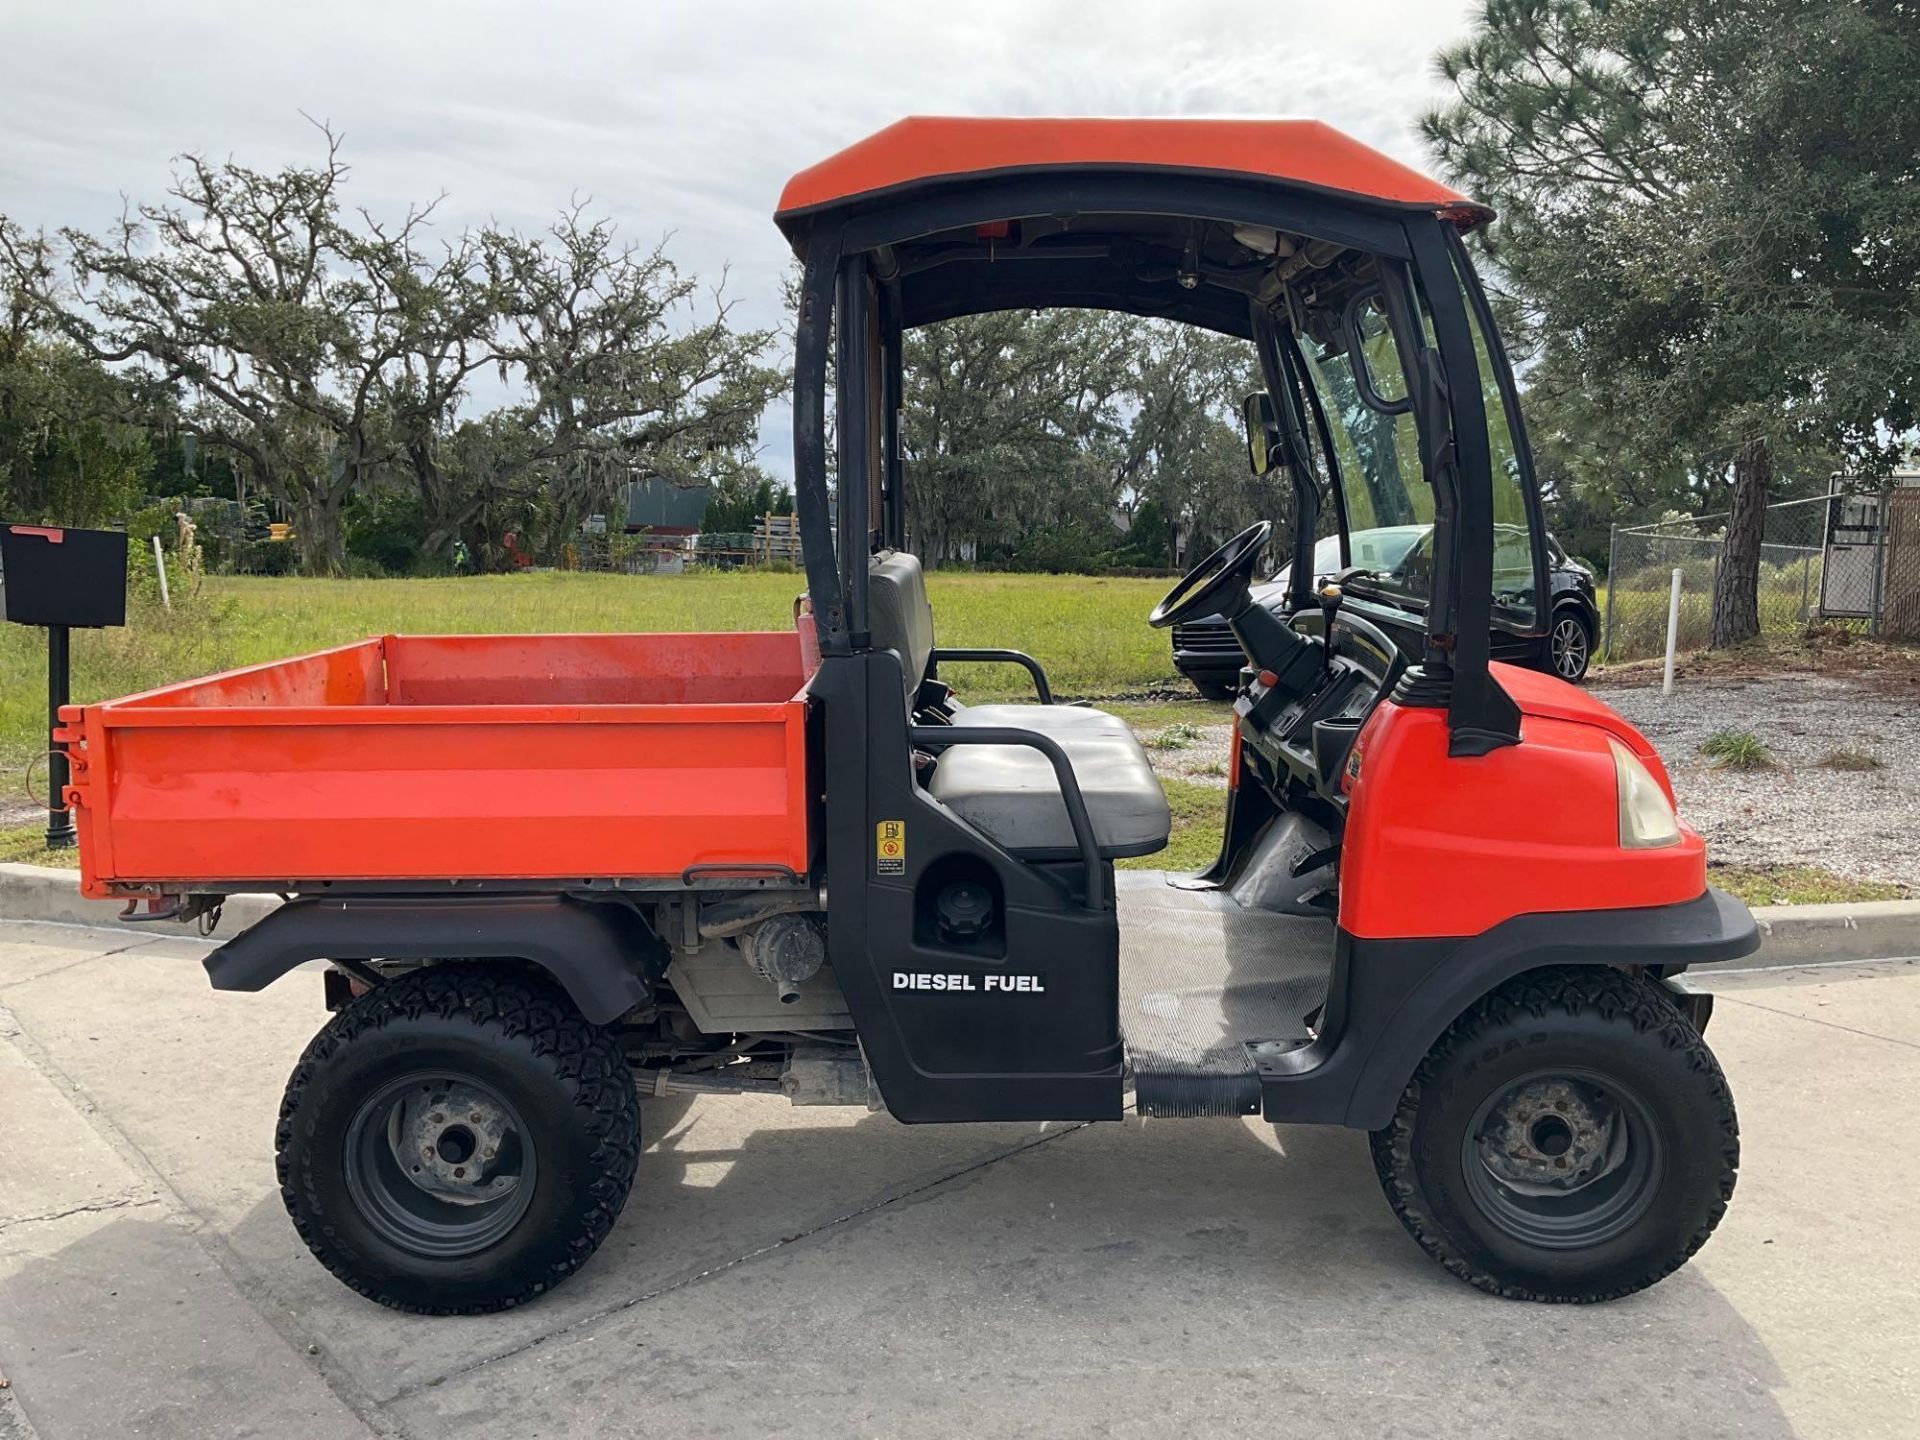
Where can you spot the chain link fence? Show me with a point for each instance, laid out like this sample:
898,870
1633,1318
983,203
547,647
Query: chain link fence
1847,558
1897,598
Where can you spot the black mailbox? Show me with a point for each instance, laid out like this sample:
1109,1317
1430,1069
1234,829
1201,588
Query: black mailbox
62,578
56,575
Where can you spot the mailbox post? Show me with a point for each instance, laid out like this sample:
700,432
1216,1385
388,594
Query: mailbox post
61,578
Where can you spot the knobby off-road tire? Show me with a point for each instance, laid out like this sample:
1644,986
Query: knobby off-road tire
1598,1042
529,1121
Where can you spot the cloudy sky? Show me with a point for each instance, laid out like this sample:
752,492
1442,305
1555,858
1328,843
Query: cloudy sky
679,119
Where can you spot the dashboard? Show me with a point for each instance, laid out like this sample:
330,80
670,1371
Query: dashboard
1280,727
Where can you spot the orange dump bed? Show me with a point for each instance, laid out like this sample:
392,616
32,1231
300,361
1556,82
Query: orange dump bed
452,757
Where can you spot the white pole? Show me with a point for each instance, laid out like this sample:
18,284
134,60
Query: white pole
160,565
1673,631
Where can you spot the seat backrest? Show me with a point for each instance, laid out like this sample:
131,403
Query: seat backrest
899,614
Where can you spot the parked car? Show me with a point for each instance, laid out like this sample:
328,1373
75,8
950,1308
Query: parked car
1208,655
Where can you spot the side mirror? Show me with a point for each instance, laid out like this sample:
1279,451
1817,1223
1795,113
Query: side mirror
1263,432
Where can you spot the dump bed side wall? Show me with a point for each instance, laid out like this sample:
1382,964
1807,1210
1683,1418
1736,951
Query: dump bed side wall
176,789
593,669
346,675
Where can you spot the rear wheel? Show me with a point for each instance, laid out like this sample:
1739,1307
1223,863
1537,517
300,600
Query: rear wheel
1570,1138
458,1140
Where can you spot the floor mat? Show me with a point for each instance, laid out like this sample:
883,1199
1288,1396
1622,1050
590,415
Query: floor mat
1199,976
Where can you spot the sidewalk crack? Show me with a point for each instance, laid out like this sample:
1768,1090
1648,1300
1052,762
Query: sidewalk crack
126,1202
77,961
1816,1020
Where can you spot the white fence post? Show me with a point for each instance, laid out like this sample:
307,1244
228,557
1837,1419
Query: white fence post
160,565
1673,631
1613,586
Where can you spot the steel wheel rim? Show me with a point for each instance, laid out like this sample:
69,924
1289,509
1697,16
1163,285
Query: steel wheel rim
1570,648
1563,1159
440,1164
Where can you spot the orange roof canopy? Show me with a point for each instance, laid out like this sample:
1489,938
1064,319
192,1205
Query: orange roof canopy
924,148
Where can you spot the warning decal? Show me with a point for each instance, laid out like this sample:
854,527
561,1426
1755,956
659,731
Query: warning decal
890,847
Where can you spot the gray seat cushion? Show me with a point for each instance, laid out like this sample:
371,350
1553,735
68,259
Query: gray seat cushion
1010,793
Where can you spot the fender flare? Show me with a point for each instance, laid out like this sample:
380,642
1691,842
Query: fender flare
1450,976
603,954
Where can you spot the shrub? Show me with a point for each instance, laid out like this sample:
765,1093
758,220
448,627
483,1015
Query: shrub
1738,750
1179,736
265,557
383,530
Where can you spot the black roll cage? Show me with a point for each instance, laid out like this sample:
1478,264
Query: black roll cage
853,286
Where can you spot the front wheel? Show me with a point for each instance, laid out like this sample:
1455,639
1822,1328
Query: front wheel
1570,1138
458,1140
1570,645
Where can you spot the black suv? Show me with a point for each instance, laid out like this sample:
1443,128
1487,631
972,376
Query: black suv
1208,655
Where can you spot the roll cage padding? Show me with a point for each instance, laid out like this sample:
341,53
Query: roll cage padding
603,954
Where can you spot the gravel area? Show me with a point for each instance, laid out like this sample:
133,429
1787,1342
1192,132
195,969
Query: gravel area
1862,824
1189,751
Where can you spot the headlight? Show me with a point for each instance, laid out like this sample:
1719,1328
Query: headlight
1646,819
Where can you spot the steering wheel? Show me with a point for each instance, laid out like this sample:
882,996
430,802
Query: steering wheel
1213,580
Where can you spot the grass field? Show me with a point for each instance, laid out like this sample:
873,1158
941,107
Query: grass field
1090,633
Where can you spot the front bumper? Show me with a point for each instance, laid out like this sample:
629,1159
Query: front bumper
1709,930
1207,650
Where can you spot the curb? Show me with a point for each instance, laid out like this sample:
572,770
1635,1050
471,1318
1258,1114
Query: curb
1789,934
40,892
1811,934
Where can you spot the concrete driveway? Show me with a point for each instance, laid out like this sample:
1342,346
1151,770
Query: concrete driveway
813,1272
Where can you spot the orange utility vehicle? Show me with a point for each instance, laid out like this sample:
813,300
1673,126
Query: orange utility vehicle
1450,906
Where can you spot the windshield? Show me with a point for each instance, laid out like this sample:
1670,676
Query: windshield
1410,575
1378,454
1380,551
1375,443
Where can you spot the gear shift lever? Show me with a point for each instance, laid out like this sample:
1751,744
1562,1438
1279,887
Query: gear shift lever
1329,595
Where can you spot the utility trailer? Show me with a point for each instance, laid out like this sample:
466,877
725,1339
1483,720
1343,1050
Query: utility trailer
548,873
